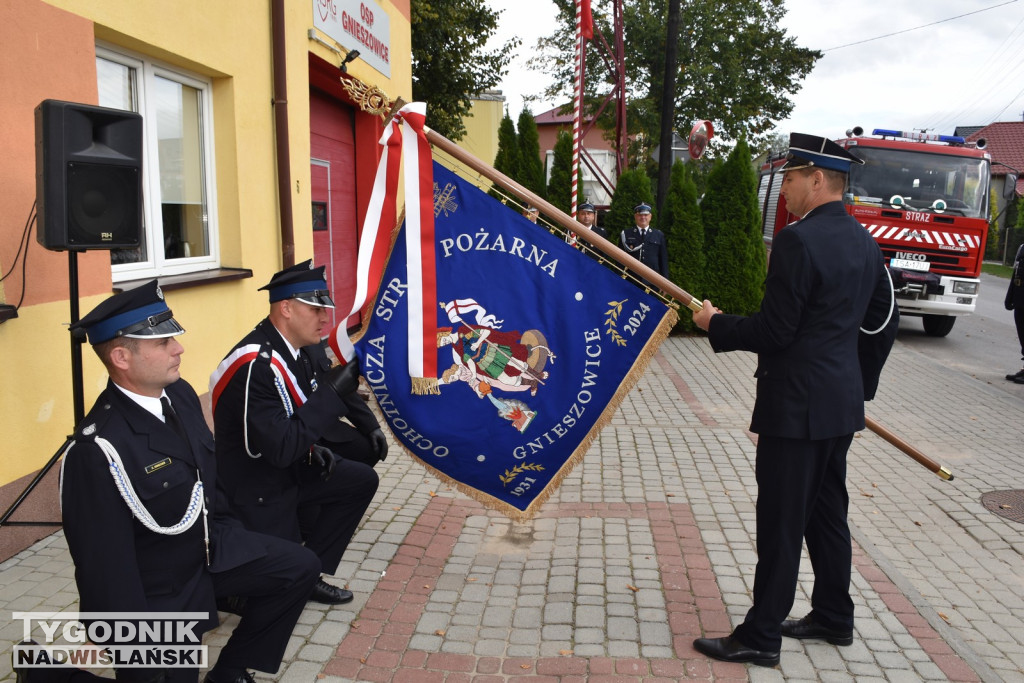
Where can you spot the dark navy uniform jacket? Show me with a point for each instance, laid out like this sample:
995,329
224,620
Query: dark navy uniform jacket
260,446
1015,291
826,279
652,250
120,565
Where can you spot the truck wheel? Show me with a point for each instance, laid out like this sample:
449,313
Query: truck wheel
938,325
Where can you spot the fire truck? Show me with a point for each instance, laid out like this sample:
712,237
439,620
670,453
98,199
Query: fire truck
925,200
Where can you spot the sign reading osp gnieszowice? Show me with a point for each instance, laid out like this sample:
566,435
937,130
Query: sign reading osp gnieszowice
357,25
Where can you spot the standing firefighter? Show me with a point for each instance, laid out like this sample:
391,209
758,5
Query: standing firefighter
644,243
1015,302
826,287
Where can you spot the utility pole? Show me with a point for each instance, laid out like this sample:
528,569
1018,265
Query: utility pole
668,101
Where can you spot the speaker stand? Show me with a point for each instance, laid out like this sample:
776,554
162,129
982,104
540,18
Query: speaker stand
77,390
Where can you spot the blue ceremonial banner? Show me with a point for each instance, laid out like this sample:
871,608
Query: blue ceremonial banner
537,345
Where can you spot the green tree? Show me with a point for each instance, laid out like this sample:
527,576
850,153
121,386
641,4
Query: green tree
633,188
735,250
507,158
735,64
560,186
449,61
684,231
531,168
993,248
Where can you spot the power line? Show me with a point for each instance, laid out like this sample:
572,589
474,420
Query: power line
1014,99
908,30
1006,70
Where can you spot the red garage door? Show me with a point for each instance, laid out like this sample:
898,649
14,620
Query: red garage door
332,167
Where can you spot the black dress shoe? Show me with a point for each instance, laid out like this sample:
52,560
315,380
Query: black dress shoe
808,628
329,595
728,649
1015,376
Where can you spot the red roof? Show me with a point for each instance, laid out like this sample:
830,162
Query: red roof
1006,145
552,116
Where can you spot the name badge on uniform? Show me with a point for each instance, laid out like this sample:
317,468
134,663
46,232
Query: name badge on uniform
159,465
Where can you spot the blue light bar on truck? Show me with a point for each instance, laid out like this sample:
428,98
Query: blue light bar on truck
955,139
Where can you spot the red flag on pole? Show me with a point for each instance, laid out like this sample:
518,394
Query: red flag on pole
586,20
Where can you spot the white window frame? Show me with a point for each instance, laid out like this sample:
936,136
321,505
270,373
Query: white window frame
146,70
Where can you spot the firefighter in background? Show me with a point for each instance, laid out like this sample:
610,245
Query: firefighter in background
588,217
1015,302
644,243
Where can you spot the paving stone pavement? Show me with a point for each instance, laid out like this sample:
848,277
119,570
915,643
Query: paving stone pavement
649,543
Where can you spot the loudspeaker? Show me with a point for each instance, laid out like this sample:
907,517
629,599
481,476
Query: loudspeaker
88,176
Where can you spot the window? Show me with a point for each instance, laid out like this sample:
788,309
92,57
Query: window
179,214
319,216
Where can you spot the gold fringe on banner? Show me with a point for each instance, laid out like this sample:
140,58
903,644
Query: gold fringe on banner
425,385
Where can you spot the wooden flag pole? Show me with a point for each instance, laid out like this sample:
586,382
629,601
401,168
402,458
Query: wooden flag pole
917,455
626,261
557,215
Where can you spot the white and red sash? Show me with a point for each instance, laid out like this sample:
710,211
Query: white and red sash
242,356
404,136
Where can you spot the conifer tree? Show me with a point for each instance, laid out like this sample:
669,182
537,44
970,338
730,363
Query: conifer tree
1014,235
684,231
993,249
735,249
560,186
531,168
507,158
632,188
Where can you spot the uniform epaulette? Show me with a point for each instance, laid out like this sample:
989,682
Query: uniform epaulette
93,423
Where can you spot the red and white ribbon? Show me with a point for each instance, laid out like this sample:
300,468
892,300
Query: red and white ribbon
404,135
419,244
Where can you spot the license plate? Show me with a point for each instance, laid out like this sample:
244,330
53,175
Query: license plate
907,264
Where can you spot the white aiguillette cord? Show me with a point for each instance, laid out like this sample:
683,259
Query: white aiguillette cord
196,504
892,305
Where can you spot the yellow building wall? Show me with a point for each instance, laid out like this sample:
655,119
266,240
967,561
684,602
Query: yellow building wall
228,41
481,138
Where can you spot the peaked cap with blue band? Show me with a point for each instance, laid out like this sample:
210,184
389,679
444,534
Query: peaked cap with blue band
302,281
810,150
140,313
642,208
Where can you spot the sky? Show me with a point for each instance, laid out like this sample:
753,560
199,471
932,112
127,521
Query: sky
932,65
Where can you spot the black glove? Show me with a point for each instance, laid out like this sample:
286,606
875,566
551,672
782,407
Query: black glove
344,378
379,443
322,457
